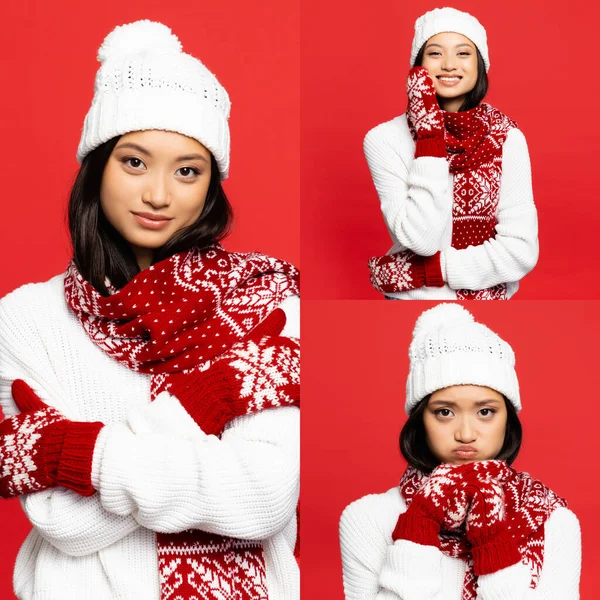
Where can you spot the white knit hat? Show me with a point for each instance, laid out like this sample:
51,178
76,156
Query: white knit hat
441,20
450,348
146,82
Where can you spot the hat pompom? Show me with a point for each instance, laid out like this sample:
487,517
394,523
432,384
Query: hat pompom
138,37
442,314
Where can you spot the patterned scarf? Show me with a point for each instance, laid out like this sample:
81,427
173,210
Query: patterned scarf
528,504
178,315
474,140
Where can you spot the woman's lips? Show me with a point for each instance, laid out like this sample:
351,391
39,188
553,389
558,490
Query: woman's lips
151,221
448,81
465,452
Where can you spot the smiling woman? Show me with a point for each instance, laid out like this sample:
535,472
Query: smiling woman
452,175
136,384
462,523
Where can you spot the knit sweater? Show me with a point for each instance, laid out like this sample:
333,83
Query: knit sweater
154,469
416,197
375,568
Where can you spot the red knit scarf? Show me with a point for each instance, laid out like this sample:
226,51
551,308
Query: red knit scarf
474,142
528,504
178,315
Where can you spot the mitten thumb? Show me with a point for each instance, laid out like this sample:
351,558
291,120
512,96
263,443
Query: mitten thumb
25,398
273,325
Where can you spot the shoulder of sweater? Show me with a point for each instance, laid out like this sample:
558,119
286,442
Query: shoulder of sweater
33,296
562,519
515,137
380,510
393,134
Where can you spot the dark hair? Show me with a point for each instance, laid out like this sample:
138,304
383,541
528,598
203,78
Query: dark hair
416,452
477,94
99,250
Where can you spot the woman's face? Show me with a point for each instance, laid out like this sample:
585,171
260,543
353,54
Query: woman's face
153,185
451,59
465,423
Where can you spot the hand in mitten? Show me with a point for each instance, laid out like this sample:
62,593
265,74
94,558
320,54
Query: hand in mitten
423,519
40,448
405,271
424,113
493,547
255,373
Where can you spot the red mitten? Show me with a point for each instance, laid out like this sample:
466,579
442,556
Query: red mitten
493,547
424,114
40,448
405,271
252,375
423,519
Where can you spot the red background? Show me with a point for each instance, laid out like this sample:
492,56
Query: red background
354,63
48,64
354,369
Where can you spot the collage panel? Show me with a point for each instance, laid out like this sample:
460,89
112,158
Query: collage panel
149,312
177,164
497,438
378,221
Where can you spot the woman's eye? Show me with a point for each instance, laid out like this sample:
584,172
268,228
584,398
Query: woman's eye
434,54
464,54
188,172
486,412
443,412
134,163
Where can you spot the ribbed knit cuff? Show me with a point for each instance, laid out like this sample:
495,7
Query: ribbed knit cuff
431,146
433,271
75,464
209,396
417,529
500,552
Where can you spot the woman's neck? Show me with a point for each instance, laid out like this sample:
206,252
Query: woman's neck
143,256
451,104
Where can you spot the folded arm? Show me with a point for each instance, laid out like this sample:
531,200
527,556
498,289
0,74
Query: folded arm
74,525
416,200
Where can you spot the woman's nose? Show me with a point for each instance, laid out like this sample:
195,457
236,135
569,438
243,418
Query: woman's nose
448,63
465,432
157,192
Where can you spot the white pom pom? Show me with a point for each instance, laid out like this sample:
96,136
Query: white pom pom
141,36
440,315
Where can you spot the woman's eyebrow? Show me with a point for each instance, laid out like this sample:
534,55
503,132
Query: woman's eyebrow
457,45
488,401
133,146
453,404
442,403
143,150
191,157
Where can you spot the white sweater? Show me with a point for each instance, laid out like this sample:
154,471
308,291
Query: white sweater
154,469
375,568
416,198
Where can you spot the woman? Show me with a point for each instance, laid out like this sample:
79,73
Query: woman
462,524
453,175
136,385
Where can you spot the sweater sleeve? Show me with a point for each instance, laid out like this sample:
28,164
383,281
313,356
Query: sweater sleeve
74,525
513,252
244,484
164,471
561,570
415,194
374,567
